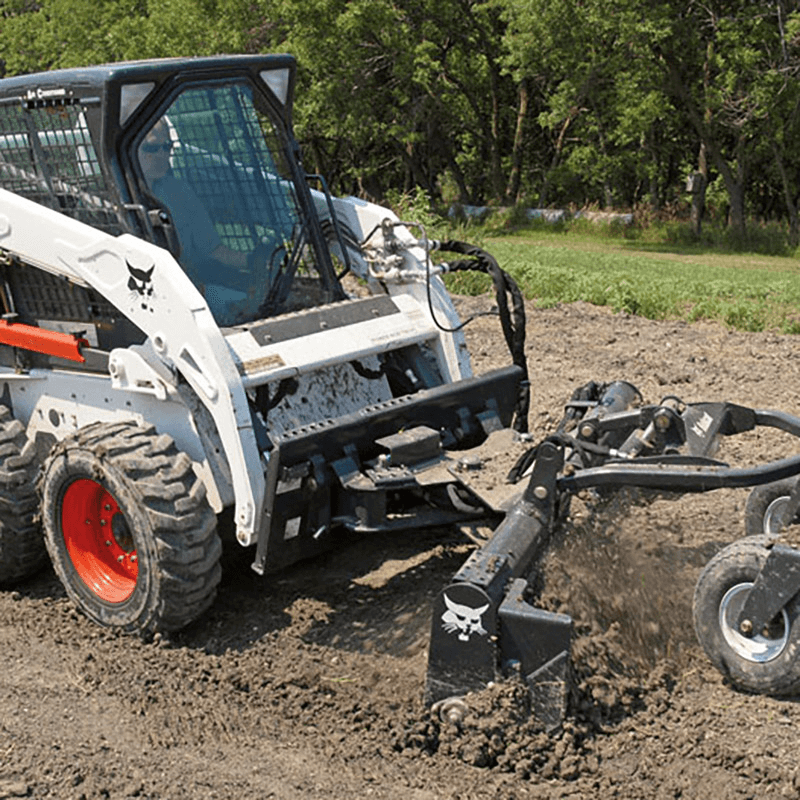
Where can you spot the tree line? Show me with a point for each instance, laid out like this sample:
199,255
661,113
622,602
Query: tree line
614,103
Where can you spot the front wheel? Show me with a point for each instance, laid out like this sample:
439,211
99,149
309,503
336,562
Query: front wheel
128,528
766,662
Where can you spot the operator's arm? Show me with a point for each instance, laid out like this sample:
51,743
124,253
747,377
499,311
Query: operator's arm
195,228
230,258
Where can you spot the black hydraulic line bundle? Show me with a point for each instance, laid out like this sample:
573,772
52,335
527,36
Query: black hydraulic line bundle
512,320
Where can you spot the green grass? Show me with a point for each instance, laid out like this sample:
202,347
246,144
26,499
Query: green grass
642,275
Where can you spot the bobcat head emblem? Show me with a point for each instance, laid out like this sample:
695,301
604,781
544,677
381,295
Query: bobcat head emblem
140,284
463,619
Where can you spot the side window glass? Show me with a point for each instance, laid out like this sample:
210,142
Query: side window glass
47,155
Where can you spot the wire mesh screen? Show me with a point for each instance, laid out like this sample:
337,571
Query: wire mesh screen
221,151
47,155
41,296
215,161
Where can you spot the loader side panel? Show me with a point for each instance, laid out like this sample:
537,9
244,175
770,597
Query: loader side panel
54,303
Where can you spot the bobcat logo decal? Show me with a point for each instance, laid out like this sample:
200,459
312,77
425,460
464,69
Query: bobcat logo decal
140,283
463,619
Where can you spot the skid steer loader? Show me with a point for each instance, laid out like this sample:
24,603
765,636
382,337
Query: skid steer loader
177,341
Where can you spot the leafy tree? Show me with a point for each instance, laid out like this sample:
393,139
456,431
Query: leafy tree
69,33
605,113
779,95
396,94
721,61
570,101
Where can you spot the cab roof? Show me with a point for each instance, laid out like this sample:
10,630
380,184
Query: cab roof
82,84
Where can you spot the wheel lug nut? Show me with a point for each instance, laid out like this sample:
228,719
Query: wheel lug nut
107,507
108,543
746,627
103,522
134,558
120,559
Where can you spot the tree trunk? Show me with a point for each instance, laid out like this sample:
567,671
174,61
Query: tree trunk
736,192
788,198
515,176
699,185
699,116
608,192
650,148
654,194
736,213
495,156
698,191
734,183
562,135
458,176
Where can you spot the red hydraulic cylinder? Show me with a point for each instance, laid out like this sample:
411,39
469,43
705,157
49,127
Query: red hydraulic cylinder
51,343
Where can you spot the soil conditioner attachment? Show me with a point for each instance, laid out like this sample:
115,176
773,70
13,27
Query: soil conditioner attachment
193,330
746,606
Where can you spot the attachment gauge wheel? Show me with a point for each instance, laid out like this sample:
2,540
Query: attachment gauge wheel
764,661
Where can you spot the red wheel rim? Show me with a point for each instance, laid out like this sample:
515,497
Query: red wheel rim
98,541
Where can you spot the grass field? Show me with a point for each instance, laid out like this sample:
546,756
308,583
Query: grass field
641,275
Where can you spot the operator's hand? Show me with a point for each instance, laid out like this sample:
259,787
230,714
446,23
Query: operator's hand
259,261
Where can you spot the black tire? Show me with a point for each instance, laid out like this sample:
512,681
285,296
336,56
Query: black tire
128,528
22,550
763,504
766,663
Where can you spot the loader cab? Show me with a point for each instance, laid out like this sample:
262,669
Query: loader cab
195,155
213,163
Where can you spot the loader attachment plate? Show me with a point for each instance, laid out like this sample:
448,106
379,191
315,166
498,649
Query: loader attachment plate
456,407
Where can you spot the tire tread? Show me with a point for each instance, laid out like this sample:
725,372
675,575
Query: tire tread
183,525
22,548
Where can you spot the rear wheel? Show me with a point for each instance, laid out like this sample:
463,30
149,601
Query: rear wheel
22,549
764,509
765,662
129,529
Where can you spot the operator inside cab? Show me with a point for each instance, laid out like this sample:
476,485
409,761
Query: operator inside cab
198,238
219,163
224,276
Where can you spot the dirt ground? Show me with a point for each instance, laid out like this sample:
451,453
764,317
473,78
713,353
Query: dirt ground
309,685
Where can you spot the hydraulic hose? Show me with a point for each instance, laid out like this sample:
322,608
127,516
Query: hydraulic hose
512,319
